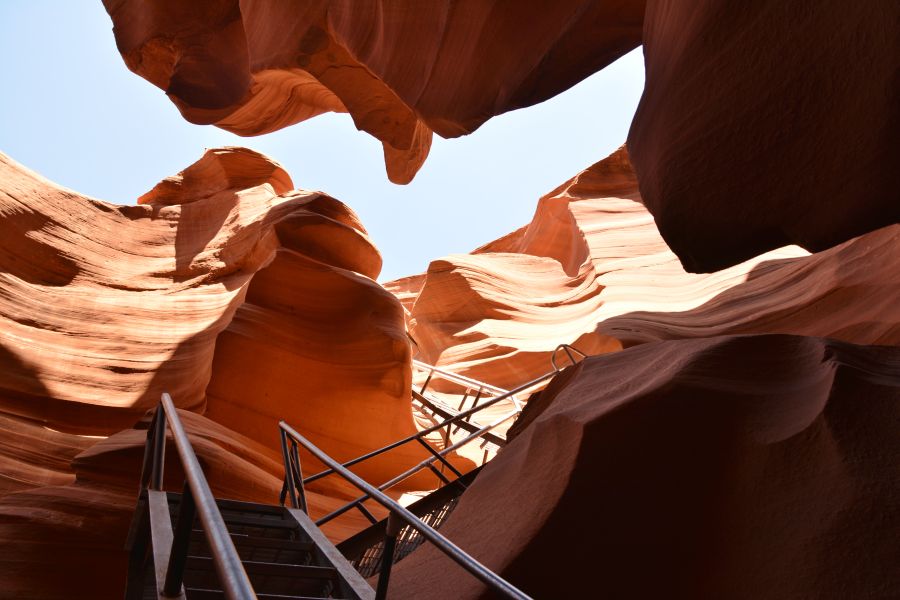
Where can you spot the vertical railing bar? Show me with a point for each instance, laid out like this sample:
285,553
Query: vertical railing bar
288,472
438,473
427,381
147,466
159,449
387,556
181,539
299,484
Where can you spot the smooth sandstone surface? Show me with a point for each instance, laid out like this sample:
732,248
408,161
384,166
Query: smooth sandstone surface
401,69
768,123
689,460
761,124
245,299
239,296
592,270
727,467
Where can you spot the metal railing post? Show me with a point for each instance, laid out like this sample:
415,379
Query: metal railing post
181,539
147,465
298,473
391,531
159,449
427,381
288,488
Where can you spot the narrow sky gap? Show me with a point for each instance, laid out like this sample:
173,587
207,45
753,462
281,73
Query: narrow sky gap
81,119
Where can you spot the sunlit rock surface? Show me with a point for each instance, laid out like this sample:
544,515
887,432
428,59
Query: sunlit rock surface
699,456
239,296
246,300
591,269
728,467
401,69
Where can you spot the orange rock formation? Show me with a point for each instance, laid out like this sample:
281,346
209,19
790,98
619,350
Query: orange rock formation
768,123
592,270
728,168
728,467
238,267
401,69
223,287
245,299
686,461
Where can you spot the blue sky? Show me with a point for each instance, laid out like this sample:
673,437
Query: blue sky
72,111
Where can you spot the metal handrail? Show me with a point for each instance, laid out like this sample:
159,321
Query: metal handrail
424,432
420,435
480,385
427,463
197,497
568,348
397,514
457,378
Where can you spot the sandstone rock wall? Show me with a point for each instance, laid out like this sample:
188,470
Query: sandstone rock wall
401,69
768,123
726,467
237,295
591,269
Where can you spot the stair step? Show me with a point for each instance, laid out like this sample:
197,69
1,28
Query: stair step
263,509
204,594
266,578
251,541
238,505
258,549
203,563
263,522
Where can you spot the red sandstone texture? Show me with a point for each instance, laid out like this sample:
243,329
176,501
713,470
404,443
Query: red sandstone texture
761,125
401,69
730,467
592,270
700,463
224,287
768,123
246,300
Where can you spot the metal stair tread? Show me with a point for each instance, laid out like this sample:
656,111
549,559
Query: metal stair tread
205,563
244,540
202,594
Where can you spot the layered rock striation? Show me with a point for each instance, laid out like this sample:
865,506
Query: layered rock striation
592,270
246,300
401,69
239,296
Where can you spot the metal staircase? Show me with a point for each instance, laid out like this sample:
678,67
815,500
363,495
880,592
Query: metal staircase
192,546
